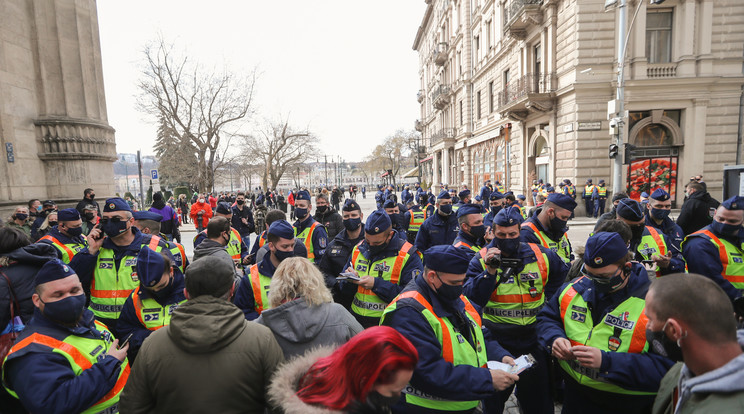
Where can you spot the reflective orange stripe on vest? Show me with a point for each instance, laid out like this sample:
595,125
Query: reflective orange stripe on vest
567,298
657,238
526,298
537,232
723,254
108,294
154,241
309,241
462,243
397,267
256,285
60,245
79,359
137,302
447,352
235,233
262,239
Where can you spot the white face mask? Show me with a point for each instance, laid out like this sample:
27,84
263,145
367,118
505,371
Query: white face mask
201,200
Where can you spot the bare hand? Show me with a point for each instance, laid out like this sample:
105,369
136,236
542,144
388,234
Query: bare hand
247,259
502,380
117,353
662,261
588,356
244,221
367,282
95,240
508,360
493,251
562,349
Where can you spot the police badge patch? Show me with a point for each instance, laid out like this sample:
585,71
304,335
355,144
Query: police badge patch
614,343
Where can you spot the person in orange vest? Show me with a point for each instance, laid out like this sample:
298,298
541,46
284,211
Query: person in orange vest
236,246
65,361
67,235
149,307
470,236
600,198
587,196
252,294
715,251
309,231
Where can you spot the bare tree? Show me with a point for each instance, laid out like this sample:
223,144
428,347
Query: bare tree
202,109
392,155
279,148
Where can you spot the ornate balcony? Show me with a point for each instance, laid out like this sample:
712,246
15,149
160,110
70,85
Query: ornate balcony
661,70
530,93
442,134
441,96
440,54
420,96
519,15
419,125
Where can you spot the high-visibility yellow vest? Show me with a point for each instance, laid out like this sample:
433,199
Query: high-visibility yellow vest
260,285
366,303
68,250
417,219
652,243
562,248
455,349
622,330
517,300
179,254
732,258
233,245
151,314
571,190
81,353
588,190
602,191
262,239
306,237
460,243
110,288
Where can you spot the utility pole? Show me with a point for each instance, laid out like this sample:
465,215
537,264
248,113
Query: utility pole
325,169
139,168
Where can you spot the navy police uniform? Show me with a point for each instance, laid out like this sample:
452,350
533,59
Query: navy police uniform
439,228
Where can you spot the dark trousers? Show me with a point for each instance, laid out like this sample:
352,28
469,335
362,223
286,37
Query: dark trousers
599,207
589,205
533,387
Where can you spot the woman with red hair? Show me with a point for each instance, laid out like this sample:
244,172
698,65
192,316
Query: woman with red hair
365,375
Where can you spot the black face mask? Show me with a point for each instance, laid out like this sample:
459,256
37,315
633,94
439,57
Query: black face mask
637,232
240,202
478,231
52,223
89,216
558,226
495,210
162,295
606,285
321,209
662,345
508,247
281,254
352,224
377,249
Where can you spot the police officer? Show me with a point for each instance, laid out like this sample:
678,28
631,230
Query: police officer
384,263
379,197
485,192
518,279
600,198
463,199
252,296
657,216
716,252
587,196
495,204
65,361
549,227
446,329
647,243
440,228
498,187
149,307
339,249
427,205
596,327
236,246
415,217
307,230
108,266
471,229
396,218
148,222
67,235
260,241
521,199
406,195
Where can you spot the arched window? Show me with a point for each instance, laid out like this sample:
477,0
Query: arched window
654,135
477,162
487,161
500,159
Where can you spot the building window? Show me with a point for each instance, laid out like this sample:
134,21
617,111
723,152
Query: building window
490,97
462,118
478,105
476,43
487,161
659,36
489,41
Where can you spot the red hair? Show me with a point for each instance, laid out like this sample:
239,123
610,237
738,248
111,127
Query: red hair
370,358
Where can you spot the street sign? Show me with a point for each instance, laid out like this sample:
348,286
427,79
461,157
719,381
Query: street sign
9,150
154,174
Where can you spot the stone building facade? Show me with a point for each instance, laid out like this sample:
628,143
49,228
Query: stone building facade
54,132
516,90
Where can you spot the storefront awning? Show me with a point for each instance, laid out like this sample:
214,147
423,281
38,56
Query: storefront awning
429,158
412,173
385,174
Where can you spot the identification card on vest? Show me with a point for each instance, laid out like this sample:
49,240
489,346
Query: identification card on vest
621,321
529,276
131,262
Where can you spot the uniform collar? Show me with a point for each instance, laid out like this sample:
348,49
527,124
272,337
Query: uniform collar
135,245
84,326
266,267
466,238
439,307
54,232
302,225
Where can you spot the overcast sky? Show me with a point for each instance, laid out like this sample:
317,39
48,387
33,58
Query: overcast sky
344,68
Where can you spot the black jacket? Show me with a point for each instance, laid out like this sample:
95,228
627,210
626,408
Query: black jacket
23,265
332,221
697,212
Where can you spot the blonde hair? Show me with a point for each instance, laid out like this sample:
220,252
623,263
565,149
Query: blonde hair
297,277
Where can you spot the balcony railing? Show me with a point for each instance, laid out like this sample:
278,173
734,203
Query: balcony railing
661,70
420,96
539,83
442,134
440,53
441,96
513,11
419,125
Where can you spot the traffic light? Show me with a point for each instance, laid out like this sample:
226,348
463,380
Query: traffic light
614,149
629,155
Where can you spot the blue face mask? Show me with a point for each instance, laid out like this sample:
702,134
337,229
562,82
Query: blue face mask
509,247
445,209
281,254
300,212
660,214
113,228
66,311
74,231
352,224
448,293
725,229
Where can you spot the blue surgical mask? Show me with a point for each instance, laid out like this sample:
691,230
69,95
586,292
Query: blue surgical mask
448,293
300,212
281,254
660,214
114,228
725,229
74,231
509,247
446,209
352,224
66,311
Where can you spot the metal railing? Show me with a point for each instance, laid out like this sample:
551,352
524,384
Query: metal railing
420,95
440,91
514,8
529,83
440,53
442,134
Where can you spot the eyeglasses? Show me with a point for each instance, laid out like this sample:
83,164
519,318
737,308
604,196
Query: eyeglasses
598,279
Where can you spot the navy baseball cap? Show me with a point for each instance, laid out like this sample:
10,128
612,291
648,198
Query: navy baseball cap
629,209
68,214
282,228
116,204
446,258
508,216
303,195
604,248
377,222
563,201
147,215
223,207
54,269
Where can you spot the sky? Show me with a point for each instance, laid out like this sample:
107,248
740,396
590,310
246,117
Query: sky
345,69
